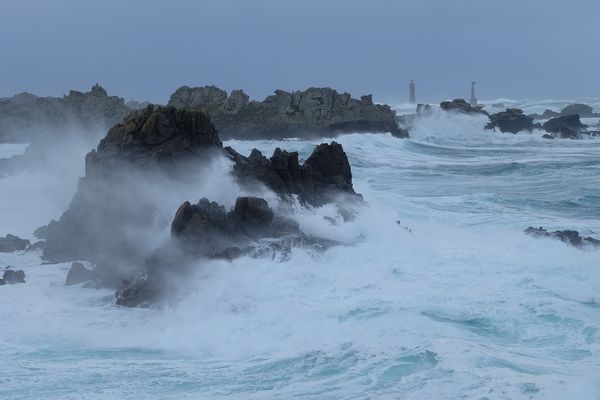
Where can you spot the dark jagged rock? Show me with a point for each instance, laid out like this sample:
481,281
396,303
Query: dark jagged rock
11,243
207,229
79,274
26,118
315,112
110,201
566,127
567,236
324,176
11,277
583,110
546,136
155,136
512,120
462,106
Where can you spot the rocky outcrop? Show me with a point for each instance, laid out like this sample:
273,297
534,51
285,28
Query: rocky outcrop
109,201
207,230
11,243
153,137
566,127
583,110
462,106
314,112
11,277
113,209
26,118
566,236
513,120
324,176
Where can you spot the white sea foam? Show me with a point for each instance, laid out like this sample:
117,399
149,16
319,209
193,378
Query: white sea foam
453,301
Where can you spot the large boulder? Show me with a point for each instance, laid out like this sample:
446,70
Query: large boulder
153,137
11,277
314,112
324,176
461,106
566,126
583,110
513,120
11,243
207,229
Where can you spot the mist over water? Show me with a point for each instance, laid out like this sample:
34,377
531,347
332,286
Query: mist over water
436,293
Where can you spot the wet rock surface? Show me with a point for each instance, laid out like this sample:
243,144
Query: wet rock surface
315,112
513,120
565,127
25,117
570,237
111,200
11,243
11,276
321,179
462,106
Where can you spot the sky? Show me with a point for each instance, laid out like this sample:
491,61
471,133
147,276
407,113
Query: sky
145,49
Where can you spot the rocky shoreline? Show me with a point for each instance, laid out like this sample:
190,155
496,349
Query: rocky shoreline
310,113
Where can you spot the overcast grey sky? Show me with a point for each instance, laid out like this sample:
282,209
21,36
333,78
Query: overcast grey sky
145,49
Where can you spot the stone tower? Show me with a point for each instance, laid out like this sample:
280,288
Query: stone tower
473,99
412,98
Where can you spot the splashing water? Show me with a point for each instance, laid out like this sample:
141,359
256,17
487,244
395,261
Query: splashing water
454,301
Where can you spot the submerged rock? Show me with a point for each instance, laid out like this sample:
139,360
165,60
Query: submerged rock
567,236
513,120
11,243
315,112
11,277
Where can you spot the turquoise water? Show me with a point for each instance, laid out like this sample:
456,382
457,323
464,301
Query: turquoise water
460,305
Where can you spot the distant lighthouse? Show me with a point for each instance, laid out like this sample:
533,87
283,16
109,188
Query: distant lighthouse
473,99
412,98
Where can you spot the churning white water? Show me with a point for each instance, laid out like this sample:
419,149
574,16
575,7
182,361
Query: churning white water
453,301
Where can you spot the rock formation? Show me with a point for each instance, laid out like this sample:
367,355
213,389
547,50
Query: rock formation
565,127
583,110
11,277
11,243
107,220
325,175
566,236
25,117
512,120
314,112
462,106
207,230
109,199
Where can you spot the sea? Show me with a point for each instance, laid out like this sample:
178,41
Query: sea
436,292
